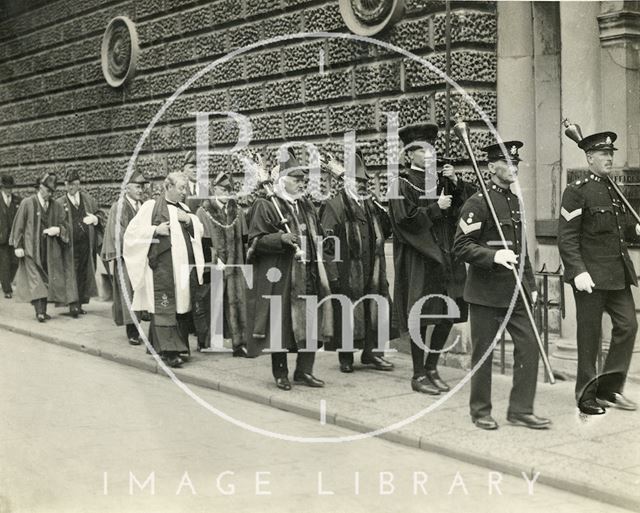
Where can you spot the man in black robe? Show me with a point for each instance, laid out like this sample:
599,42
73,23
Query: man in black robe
286,265
361,226
130,205
8,207
423,223
82,218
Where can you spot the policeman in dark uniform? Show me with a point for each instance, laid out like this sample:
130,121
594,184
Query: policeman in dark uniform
592,238
491,288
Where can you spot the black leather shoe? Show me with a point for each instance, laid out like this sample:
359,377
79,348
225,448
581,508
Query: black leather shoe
240,352
591,407
487,422
74,313
424,386
378,362
47,316
8,295
81,311
528,420
308,379
283,383
346,367
41,317
437,381
134,341
619,401
174,362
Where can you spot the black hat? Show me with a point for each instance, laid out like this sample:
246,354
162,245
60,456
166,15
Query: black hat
599,141
494,152
293,164
73,176
361,168
190,158
423,132
223,179
49,180
138,177
7,181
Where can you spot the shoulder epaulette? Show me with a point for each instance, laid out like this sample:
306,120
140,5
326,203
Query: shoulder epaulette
580,183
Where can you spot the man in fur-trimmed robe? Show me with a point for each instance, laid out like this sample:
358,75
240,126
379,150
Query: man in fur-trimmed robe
361,228
113,255
280,269
225,232
40,235
80,254
163,254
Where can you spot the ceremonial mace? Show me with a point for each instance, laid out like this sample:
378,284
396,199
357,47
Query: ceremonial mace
574,133
462,131
266,182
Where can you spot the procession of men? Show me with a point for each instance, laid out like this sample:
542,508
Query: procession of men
319,270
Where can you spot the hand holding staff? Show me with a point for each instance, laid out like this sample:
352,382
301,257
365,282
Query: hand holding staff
462,131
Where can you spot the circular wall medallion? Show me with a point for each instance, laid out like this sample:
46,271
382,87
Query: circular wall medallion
120,51
368,17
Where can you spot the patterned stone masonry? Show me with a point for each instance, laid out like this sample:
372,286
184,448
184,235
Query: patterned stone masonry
58,114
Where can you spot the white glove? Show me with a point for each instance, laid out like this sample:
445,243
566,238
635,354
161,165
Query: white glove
19,252
90,219
53,231
638,230
506,257
584,282
534,297
444,201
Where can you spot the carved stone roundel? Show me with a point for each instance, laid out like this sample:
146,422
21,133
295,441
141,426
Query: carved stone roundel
120,50
368,17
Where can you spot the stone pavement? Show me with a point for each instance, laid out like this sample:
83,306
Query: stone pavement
597,457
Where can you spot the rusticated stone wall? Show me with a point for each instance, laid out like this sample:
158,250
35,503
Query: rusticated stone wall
57,113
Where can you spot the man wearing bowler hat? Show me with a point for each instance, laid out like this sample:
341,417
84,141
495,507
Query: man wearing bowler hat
356,266
287,266
423,222
8,207
131,203
40,236
491,287
594,229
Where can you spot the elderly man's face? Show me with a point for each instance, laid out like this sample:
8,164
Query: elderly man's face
73,187
293,185
600,162
134,191
190,171
178,191
506,173
45,192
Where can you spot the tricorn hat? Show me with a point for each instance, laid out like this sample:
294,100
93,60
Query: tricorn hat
289,167
494,152
599,141
7,181
422,132
361,168
49,180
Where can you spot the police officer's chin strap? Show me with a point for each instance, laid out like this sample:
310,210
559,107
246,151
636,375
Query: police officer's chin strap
462,131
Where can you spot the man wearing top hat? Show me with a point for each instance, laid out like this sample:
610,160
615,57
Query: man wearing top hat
224,240
121,217
286,266
40,236
423,223
8,207
83,221
491,288
592,237
359,268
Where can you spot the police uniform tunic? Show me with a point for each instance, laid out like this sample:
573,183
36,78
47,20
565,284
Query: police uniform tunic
592,237
490,289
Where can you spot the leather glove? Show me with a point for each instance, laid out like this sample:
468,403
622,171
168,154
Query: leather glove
506,257
52,231
90,219
584,282
19,252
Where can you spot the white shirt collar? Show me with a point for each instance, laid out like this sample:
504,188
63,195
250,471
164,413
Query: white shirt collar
353,195
133,202
75,198
41,200
7,197
413,166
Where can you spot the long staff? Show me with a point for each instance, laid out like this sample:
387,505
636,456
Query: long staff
462,131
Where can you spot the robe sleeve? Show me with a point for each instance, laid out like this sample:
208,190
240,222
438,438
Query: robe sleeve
137,241
16,238
264,227
331,221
